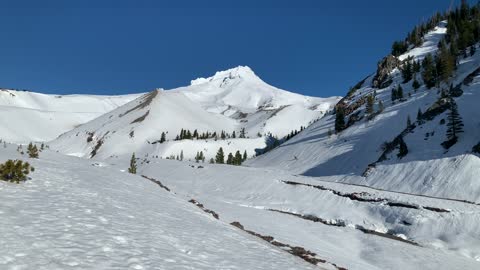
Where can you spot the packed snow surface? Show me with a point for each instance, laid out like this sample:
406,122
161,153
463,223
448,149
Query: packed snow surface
72,215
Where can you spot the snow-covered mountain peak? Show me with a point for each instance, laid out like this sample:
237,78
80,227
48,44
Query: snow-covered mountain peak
222,78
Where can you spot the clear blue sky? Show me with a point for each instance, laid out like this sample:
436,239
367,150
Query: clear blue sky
316,47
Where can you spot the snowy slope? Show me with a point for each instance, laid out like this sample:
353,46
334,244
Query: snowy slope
72,215
440,234
28,116
230,101
427,169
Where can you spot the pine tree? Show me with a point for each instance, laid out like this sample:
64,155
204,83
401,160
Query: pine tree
242,133
429,73
244,156
399,92
230,159
445,63
237,158
399,47
162,137
220,157
369,106
181,155
419,116
394,95
182,134
455,123
403,149
409,122
416,83
32,150
15,171
407,71
133,165
233,134
212,161
339,119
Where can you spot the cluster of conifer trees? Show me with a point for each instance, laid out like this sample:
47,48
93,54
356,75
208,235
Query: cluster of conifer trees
186,134
232,159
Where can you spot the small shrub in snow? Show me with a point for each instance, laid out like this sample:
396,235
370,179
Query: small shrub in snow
32,150
133,165
15,171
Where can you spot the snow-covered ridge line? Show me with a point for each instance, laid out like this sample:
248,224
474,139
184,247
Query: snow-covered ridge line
234,102
240,71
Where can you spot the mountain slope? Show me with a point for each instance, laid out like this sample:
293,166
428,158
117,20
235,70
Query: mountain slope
229,102
357,154
72,215
25,116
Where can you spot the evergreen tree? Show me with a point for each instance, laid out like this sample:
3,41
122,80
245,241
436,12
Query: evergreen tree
233,134
212,161
237,158
415,83
230,159
419,116
162,137
445,63
15,171
32,150
394,95
220,157
181,155
399,92
407,71
409,122
133,165
455,123
182,134
242,133
244,156
416,67
399,47
403,149
339,119
429,73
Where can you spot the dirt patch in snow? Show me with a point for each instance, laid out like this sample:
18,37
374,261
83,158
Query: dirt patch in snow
206,210
144,101
298,251
366,197
141,118
341,223
157,182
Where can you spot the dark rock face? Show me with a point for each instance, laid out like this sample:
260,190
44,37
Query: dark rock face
384,67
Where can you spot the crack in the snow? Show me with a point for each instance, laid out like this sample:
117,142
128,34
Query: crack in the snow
361,197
